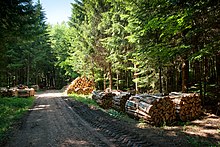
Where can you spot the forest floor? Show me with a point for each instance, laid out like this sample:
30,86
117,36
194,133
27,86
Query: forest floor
56,120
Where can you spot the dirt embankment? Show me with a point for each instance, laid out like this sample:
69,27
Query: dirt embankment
58,121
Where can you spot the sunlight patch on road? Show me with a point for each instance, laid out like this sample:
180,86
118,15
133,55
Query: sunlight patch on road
40,107
74,142
52,94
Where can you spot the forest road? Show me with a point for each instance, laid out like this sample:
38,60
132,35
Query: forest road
52,122
57,121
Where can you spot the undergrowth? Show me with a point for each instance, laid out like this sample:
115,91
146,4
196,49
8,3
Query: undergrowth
12,109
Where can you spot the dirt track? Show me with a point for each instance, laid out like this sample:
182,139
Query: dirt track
58,121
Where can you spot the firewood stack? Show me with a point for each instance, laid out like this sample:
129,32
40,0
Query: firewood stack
4,92
103,99
81,85
187,105
154,109
20,91
24,91
119,100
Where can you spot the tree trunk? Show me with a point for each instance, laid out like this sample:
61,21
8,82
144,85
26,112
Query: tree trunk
185,71
218,68
206,76
110,76
135,77
176,78
199,77
160,79
117,74
170,80
28,74
104,79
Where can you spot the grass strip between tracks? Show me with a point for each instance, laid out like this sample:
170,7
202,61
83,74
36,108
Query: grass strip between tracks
11,110
86,99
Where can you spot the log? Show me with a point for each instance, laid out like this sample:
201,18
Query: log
5,92
81,85
155,109
119,100
188,105
20,91
103,99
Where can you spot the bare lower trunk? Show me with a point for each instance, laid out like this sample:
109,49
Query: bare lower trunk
135,77
117,81
104,81
110,75
185,70
28,73
218,68
160,79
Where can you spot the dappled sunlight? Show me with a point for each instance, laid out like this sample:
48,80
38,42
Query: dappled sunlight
142,125
52,94
40,107
199,131
69,142
209,126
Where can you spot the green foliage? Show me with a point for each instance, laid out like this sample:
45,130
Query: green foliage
142,42
84,99
12,109
27,56
195,141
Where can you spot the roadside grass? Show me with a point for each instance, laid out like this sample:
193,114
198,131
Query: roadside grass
11,110
86,99
119,115
197,142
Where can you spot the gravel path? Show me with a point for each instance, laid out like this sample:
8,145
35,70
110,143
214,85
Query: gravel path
56,121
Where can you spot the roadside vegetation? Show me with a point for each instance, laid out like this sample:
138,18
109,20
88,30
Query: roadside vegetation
181,128
11,110
86,99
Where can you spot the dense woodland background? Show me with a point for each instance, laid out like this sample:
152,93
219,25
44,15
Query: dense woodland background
143,45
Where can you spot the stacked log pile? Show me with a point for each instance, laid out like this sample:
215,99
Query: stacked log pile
27,92
119,100
155,109
81,85
103,99
20,91
14,91
5,92
152,108
187,105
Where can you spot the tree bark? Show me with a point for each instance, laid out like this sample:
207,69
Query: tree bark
104,79
110,76
206,76
185,75
135,77
160,79
218,68
28,73
117,74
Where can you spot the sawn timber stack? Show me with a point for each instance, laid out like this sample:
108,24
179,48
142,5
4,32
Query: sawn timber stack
81,85
188,105
119,100
152,108
103,99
